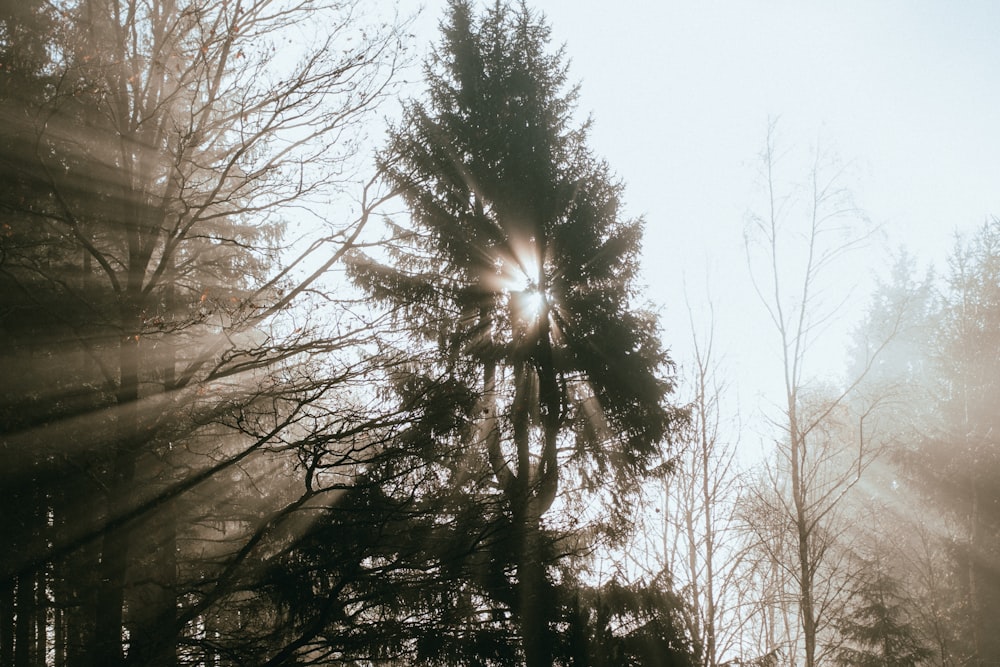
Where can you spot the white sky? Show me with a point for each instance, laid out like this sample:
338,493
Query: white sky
906,91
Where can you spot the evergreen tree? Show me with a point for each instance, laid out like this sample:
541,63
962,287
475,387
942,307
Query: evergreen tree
876,632
936,392
638,625
516,277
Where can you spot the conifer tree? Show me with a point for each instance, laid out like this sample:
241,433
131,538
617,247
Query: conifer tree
516,274
876,631
956,461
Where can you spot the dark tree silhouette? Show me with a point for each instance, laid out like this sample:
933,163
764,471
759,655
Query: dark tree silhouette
517,271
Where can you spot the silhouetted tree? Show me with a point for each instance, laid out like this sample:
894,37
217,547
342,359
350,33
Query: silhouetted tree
640,625
516,274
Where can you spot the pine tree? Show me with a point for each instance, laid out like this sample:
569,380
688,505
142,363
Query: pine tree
876,632
516,276
956,463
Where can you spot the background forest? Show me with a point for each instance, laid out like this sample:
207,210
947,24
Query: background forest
284,383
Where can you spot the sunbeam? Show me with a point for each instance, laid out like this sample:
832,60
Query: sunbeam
521,276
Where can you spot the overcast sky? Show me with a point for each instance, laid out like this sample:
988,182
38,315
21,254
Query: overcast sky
904,91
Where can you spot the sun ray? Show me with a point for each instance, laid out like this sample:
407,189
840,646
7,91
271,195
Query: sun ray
520,275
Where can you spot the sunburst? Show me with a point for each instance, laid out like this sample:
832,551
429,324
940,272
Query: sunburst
521,277
532,304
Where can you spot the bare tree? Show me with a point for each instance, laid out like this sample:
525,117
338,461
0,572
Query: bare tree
157,156
699,512
794,251
693,535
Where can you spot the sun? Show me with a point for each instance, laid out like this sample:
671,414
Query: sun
521,277
530,304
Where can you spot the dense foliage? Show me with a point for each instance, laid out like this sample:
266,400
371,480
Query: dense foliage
876,630
155,374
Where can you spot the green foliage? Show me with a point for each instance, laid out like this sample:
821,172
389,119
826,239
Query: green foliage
637,625
190,465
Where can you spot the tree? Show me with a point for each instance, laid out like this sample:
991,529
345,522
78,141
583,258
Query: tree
954,464
936,377
877,631
902,526
826,441
638,624
156,151
516,271
692,518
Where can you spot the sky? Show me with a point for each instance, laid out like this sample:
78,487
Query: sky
903,93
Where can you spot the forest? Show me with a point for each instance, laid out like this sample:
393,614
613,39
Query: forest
283,382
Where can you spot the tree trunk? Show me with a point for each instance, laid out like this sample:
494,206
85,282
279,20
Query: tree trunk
708,498
700,628
154,622
40,622
532,592
799,500
154,619
806,599
24,607
109,620
531,587
58,636
6,622
975,544
75,575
